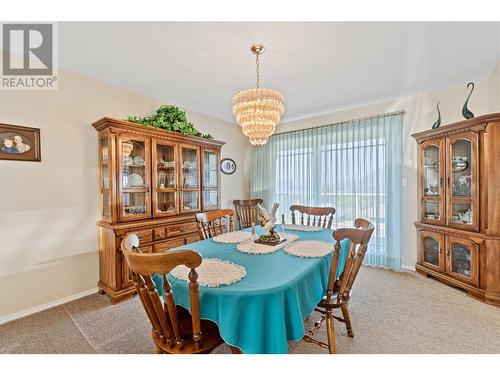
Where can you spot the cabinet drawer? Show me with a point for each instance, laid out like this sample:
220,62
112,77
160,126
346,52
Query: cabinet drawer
181,229
162,246
146,249
159,233
192,238
145,235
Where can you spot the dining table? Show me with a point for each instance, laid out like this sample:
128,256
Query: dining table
266,309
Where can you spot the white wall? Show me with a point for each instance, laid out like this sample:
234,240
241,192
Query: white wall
48,210
420,115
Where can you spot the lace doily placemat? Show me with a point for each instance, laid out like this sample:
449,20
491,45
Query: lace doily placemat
233,237
310,249
250,247
212,272
303,228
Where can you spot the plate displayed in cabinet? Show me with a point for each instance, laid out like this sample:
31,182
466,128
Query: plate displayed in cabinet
135,180
459,165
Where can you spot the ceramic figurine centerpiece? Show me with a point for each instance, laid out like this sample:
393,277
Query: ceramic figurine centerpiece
268,223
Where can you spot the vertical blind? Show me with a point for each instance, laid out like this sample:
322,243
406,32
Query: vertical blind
355,167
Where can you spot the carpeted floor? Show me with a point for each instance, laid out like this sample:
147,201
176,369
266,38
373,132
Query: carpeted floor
392,312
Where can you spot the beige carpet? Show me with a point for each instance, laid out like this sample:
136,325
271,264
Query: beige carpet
392,312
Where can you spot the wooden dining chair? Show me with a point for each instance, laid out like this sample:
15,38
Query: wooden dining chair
174,329
338,293
213,223
314,216
247,212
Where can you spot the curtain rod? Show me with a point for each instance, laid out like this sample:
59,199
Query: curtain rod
401,112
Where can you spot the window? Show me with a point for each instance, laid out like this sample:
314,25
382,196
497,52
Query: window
354,167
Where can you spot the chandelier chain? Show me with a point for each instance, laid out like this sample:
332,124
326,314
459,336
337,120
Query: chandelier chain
257,69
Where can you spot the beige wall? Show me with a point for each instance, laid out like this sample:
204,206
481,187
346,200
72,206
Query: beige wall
48,210
420,115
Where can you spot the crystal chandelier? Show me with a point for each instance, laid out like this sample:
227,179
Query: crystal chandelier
258,110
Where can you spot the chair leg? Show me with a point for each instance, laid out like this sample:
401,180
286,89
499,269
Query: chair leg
347,318
235,350
330,332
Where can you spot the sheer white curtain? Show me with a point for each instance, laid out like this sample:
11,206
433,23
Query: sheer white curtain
355,167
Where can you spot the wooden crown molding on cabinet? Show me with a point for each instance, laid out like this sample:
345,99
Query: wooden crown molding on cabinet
475,124
118,126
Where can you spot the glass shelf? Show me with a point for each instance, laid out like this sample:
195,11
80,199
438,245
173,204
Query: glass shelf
431,251
134,177
431,171
190,200
461,169
431,210
461,260
189,168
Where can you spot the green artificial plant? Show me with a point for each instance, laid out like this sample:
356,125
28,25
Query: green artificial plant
169,117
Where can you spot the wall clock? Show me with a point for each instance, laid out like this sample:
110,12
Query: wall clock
227,166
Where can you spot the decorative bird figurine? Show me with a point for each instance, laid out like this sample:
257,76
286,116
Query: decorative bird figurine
268,220
465,111
438,121
265,217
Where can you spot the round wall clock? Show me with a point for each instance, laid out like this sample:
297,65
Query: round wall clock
227,166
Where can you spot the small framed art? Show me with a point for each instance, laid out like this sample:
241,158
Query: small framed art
19,143
227,166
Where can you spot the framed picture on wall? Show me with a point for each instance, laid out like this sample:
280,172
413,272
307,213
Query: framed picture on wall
227,166
19,143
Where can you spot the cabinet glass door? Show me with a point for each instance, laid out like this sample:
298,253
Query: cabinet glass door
189,178
106,180
461,180
431,183
165,185
431,250
462,260
210,180
134,179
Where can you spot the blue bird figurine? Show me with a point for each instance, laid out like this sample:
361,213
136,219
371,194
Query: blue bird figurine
465,111
438,121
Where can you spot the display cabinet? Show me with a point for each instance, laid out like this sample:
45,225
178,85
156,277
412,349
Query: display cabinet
151,183
459,205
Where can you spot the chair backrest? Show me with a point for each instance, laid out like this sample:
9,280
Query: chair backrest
359,236
321,216
247,212
213,223
163,316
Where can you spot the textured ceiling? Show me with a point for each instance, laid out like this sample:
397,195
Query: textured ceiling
319,67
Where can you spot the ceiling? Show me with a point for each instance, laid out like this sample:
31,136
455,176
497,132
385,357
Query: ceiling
319,67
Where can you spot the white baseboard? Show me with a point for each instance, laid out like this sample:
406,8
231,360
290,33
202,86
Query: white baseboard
45,306
409,268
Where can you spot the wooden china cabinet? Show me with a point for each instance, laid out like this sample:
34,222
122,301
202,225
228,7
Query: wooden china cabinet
459,205
152,182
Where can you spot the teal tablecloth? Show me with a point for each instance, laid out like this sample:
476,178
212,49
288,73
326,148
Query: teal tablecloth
267,308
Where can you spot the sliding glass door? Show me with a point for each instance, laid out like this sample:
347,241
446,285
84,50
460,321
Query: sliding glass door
355,167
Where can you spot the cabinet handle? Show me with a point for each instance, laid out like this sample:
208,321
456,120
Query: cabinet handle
441,182
448,252
448,181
